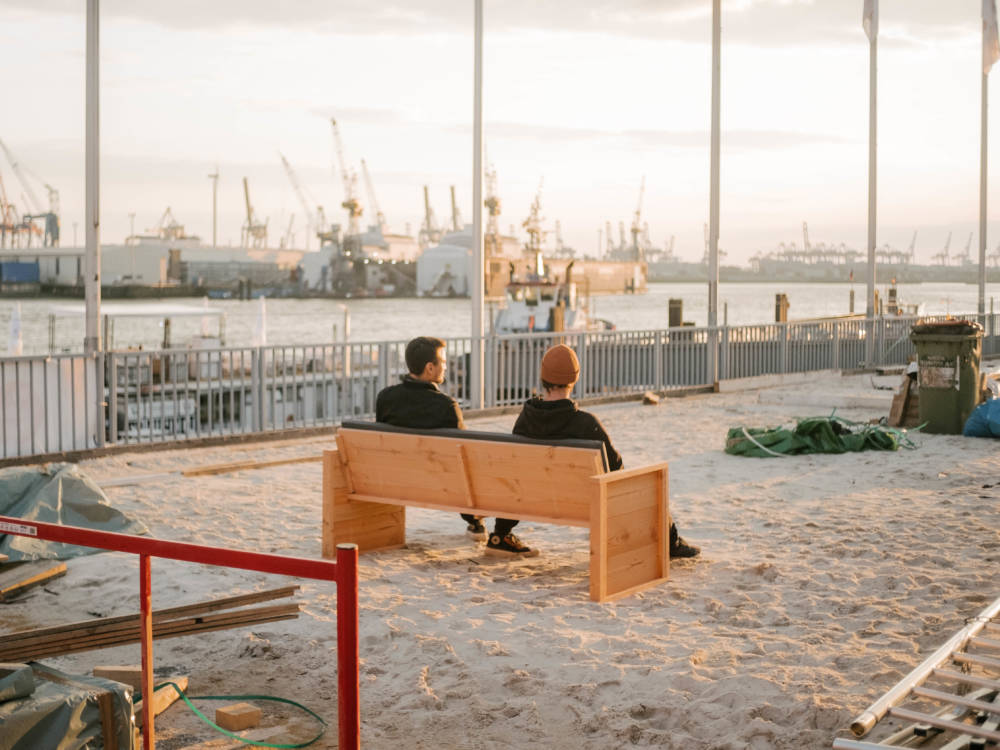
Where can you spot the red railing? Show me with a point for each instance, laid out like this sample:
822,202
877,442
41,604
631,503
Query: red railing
344,572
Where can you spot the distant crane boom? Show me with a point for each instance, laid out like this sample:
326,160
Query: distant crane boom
350,180
311,218
379,216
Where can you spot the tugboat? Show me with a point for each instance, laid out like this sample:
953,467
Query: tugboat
537,304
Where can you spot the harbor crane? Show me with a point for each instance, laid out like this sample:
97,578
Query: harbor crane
350,180
168,228
609,250
456,217
912,252
942,257
289,237
491,238
637,223
430,232
35,208
533,225
965,258
313,223
379,216
805,236
254,234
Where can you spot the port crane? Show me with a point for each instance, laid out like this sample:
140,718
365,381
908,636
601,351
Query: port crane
942,257
289,237
456,217
965,258
638,250
533,226
350,180
305,200
254,234
491,239
35,208
430,232
168,228
379,216
911,253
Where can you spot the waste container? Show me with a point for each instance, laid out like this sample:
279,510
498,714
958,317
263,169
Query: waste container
948,357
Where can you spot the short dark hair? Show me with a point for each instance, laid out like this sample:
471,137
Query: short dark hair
420,352
550,386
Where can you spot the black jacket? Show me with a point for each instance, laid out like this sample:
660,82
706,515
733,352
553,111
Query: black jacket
418,404
558,420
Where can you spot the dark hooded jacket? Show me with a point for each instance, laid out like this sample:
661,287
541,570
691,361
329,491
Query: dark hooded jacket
416,403
560,420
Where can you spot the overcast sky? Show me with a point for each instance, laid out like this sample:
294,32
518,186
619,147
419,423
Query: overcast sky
585,97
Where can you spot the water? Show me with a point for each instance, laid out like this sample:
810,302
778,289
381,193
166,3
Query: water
315,321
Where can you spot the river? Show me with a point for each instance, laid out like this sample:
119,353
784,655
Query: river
316,321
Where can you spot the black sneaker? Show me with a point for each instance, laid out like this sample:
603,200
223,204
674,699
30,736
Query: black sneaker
680,548
476,530
510,546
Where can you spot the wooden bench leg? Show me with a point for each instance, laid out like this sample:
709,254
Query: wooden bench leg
371,526
629,535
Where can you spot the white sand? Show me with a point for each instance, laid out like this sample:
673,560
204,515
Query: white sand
822,581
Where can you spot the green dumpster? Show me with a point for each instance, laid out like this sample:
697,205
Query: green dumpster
948,357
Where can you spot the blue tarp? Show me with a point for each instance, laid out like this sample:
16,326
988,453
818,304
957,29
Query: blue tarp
984,420
57,493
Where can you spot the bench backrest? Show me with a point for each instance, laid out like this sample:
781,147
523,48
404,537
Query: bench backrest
474,472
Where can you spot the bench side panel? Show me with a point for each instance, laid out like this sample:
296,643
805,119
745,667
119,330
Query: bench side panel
630,535
371,526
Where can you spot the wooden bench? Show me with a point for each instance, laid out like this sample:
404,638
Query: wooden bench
377,470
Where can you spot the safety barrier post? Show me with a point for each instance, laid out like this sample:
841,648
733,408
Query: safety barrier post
343,572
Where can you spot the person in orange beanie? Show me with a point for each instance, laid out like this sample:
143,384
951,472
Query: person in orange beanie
555,416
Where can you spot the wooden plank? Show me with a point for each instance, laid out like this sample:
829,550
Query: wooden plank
163,698
375,532
170,629
16,578
334,492
897,411
199,471
213,605
617,476
598,545
632,530
344,462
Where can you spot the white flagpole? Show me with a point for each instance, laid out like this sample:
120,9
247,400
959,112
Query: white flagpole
870,311
991,52
982,194
92,256
477,272
713,213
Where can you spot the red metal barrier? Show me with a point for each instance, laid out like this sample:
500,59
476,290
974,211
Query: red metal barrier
344,572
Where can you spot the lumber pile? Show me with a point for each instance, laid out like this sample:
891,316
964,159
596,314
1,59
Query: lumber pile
202,617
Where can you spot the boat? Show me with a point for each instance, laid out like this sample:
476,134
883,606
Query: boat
538,303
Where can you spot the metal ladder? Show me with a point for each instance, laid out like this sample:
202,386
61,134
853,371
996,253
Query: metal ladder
965,674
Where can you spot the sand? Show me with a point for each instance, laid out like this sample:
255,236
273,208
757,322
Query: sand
822,581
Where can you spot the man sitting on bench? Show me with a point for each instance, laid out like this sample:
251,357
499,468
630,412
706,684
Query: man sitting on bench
417,402
555,416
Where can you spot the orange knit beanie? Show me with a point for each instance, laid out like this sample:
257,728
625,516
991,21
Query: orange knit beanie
560,366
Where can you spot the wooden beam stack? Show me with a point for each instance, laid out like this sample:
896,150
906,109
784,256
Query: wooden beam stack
202,617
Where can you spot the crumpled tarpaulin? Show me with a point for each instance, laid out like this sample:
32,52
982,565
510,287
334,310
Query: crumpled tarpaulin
57,493
814,435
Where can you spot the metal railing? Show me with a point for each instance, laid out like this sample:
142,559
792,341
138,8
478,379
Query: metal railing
53,404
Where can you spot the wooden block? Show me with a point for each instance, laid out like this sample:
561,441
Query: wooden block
237,716
17,578
4,558
163,698
650,398
128,675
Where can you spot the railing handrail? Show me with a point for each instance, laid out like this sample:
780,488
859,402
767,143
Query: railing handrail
343,572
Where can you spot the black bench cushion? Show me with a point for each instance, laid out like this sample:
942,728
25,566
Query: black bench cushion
495,437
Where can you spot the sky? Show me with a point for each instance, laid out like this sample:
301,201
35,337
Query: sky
582,101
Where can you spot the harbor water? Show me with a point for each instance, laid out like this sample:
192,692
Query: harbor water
317,321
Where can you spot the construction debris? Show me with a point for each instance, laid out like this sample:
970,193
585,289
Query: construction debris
16,578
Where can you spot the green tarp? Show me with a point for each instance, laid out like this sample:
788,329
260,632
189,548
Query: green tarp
813,435
56,493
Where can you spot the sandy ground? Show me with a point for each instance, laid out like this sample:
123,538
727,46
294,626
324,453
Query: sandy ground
823,580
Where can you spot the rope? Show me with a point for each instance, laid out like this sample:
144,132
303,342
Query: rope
763,447
215,726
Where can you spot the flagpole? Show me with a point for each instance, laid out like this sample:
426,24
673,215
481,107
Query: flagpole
982,192
92,222
870,311
477,272
713,215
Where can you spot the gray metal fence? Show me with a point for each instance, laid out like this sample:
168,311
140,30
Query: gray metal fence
54,403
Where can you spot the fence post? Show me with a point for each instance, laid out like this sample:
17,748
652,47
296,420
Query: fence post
112,398
835,363
348,676
658,361
587,375
102,403
146,639
257,388
784,347
724,353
